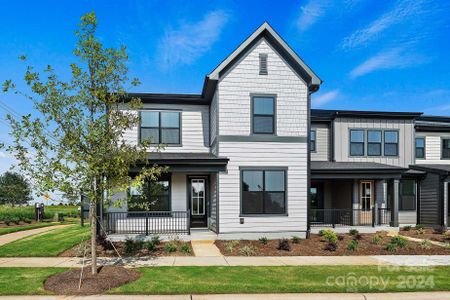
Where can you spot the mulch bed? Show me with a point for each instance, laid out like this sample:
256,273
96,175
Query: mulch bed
428,234
21,224
316,246
108,277
102,251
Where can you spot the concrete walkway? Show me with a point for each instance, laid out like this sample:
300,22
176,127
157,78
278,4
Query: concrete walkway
324,296
133,262
205,248
421,240
11,237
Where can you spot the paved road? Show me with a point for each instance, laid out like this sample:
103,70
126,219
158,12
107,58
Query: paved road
11,237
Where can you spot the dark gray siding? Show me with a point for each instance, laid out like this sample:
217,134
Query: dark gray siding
430,200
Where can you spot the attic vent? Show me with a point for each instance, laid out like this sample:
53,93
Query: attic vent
263,64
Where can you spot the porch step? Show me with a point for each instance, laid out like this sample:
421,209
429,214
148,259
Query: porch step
205,248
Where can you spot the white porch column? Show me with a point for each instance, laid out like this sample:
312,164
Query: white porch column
395,203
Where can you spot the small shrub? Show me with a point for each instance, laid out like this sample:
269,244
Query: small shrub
156,240
330,236
129,246
170,247
150,246
295,240
331,247
263,240
446,235
284,245
15,220
391,247
247,251
341,237
321,232
407,228
26,220
439,230
420,226
7,220
185,249
376,240
353,231
420,231
352,245
425,244
231,245
447,245
399,241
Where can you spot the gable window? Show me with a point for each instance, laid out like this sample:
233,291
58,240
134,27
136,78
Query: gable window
312,141
408,195
263,192
446,148
160,127
374,142
390,143
263,115
152,196
263,64
356,142
420,147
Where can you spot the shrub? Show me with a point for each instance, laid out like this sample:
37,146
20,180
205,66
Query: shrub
352,245
420,231
170,247
295,240
399,241
391,247
130,246
247,251
330,236
447,245
321,232
156,240
341,237
446,235
439,230
7,220
376,240
353,231
26,220
407,228
150,246
231,245
331,247
425,244
263,240
15,220
420,226
284,245
185,249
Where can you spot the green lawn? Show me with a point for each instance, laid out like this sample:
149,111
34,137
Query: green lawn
12,229
49,244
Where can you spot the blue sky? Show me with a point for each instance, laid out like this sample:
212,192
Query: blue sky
371,55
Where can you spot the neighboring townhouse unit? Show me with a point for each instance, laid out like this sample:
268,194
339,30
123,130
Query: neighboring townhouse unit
248,157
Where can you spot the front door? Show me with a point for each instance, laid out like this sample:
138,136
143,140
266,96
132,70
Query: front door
198,201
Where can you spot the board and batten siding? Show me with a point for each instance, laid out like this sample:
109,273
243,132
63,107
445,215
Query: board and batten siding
194,127
430,193
433,147
322,142
342,128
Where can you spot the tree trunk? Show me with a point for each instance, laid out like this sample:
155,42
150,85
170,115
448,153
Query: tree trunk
93,206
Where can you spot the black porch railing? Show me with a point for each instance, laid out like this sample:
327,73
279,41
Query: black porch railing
148,222
334,217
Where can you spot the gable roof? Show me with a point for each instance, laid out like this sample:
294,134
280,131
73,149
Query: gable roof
267,32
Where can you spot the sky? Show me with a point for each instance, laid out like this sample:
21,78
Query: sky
371,55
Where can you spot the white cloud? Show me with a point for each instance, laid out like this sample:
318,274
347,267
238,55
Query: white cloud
324,98
394,58
402,11
311,13
190,41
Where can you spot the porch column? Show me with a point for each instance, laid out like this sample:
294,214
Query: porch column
395,202
355,202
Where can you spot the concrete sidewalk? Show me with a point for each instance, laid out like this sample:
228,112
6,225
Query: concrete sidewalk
11,237
133,262
324,296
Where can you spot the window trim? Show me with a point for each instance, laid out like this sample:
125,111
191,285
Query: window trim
268,168
264,56
159,111
315,141
398,142
252,115
442,147
424,147
163,177
380,143
350,142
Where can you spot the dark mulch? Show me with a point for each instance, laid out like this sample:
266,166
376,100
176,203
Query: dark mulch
316,246
428,234
108,277
21,224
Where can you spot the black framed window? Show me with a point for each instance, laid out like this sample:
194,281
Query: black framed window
312,141
446,148
374,142
263,192
152,196
356,142
420,147
408,194
390,143
161,127
263,115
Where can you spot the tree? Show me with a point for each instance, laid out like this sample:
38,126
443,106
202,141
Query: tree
14,189
77,145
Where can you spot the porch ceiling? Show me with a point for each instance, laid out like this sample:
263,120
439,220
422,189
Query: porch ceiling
348,170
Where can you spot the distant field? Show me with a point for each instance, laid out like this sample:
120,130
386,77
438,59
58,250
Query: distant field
22,213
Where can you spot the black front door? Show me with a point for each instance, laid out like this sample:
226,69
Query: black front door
316,205
197,200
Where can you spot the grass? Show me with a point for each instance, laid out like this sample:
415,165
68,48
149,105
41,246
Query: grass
27,212
12,229
49,244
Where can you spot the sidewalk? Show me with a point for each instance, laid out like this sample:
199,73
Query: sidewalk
325,296
134,262
11,237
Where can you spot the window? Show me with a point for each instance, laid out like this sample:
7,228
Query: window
420,147
160,127
446,148
356,142
263,115
263,64
152,196
263,192
408,195
390,143
374,142
312,145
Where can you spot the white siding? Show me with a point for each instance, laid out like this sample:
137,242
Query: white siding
433,147
194,128
213,118
179,192
322,142
212,220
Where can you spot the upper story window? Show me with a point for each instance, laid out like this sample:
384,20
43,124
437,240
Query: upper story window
161,127
446,148
374,142
356,142
391,143
263,64
263,112
312,141
420,147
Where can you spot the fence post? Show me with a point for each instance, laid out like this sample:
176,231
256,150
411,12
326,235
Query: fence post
146,224
333,217
373,216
